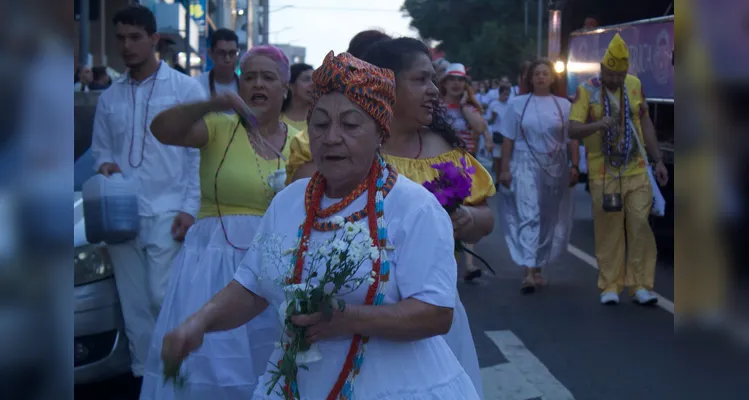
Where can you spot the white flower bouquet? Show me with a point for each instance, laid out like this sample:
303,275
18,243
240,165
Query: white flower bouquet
332,272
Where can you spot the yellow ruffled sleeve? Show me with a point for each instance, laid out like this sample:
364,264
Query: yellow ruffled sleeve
299,154
420,170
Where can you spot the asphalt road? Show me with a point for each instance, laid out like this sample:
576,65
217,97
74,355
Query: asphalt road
561,344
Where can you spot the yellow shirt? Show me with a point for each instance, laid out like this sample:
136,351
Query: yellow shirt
298,125
243,178
588,107
418,170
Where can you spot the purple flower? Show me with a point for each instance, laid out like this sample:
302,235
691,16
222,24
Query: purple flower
452,184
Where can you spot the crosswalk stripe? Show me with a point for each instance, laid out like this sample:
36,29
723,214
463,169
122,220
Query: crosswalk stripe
506,382
530,368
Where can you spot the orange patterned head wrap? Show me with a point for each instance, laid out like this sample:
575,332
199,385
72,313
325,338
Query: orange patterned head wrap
371,88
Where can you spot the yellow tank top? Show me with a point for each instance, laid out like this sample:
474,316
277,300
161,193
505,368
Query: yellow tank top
241,186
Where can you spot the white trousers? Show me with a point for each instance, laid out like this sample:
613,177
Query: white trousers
141,272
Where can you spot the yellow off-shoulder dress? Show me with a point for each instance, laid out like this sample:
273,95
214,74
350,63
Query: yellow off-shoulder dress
420,170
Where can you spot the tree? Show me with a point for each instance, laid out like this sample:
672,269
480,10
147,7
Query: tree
486,35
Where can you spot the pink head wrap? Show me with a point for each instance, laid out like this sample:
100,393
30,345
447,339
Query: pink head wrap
275,54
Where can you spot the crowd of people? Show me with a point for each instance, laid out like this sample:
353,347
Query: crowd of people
352,140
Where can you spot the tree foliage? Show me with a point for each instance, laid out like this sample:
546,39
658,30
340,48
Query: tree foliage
485,35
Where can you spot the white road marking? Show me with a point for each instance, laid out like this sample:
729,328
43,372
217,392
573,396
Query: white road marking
663,302
506,382
531,369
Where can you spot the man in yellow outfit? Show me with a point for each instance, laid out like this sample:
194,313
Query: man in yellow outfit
607,113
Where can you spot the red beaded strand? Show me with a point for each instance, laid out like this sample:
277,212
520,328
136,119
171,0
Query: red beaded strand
313,198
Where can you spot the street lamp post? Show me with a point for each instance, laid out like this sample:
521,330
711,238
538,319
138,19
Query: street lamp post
540,28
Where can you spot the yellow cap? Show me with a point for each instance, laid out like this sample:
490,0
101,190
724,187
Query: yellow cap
617,55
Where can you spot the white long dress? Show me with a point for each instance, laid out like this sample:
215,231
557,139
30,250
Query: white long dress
536,215
228,364
422,267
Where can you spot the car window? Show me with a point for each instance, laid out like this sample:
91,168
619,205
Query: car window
83,169
85,108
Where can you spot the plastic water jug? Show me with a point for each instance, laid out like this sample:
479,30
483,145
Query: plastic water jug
110,209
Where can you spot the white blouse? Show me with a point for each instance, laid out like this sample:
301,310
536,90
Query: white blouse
423,267
544,126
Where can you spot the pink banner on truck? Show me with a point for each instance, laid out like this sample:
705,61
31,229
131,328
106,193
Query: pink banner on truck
651,50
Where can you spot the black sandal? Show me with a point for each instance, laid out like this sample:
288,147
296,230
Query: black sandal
470,276
528,286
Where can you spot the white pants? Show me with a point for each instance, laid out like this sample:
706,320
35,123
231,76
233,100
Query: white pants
141,272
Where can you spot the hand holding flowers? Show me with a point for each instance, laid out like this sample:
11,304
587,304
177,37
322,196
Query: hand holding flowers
318,327
452,187
314,307
462,221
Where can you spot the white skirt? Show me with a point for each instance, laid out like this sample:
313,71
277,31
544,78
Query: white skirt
536,213
460,341
228,364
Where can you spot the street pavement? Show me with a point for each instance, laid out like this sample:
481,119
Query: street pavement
561,344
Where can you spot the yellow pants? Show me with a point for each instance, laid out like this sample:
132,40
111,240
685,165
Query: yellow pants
622,263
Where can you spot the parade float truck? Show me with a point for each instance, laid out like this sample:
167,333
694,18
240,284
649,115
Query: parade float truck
651,49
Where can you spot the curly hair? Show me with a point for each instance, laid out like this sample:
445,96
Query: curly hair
398,55
467,87
554,88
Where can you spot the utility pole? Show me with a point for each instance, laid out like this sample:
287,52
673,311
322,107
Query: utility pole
266,19
188,19
540,27
84,31
220,23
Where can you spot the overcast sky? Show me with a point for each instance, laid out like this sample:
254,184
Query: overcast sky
324,25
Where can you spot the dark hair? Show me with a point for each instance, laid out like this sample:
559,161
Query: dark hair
136,15
77,76
398,55
296,70
99,72
529,76
227,35
504,88
363,40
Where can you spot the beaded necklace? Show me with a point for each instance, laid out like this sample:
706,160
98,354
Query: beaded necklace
560,142
375,184
624,146
263,180
145,122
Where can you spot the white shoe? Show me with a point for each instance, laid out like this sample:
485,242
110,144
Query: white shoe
609,298
644,297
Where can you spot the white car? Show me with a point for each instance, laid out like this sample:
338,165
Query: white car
100,345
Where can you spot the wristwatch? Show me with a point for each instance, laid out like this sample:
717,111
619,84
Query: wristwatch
575,167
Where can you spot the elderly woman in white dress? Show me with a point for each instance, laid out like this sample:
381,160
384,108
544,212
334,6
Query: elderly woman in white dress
385,343
537,175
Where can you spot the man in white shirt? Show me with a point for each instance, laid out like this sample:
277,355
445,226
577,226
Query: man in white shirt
167,176
224,52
